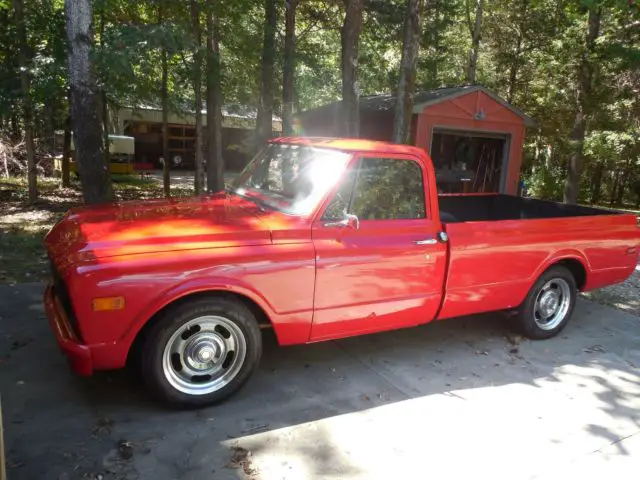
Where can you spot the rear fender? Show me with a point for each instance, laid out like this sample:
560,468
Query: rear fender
558,257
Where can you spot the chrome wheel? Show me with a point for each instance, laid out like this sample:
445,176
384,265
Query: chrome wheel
204,355
552,304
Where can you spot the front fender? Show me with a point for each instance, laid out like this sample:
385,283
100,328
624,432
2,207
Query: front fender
219,284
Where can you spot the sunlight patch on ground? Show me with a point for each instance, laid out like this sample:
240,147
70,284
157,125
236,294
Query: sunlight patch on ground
28,220
460,434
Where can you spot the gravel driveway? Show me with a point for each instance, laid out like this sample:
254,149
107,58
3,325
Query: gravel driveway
625,295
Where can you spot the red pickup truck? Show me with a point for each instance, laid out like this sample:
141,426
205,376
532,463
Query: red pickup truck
319,239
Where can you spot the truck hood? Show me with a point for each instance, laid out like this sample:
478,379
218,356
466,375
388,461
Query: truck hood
150,226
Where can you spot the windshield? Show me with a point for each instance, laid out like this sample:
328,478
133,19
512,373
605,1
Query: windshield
291,178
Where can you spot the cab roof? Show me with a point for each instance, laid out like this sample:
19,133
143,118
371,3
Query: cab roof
350,145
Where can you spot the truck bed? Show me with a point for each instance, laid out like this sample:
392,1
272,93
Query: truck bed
499,245
478,208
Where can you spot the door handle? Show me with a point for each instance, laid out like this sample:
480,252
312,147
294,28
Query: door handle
427,241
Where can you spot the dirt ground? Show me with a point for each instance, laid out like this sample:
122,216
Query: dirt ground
24,225
461,398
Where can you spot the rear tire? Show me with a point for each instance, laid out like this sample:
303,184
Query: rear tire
549,304
201,352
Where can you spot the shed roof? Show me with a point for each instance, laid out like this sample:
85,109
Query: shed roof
421,99
348,144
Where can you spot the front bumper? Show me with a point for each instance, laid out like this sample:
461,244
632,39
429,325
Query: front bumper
78,354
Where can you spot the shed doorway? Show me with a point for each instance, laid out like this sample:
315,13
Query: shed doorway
469,162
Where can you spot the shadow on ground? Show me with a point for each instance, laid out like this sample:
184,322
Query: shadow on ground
392,403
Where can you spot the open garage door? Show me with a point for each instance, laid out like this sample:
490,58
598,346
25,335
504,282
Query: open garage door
469,161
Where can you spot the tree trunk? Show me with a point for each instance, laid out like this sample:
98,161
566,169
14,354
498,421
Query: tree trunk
164,96
264,119
513,72
66,153
164,93
197,88
406,83
94,175
614,189
289,67
25,85
476,35
105,127
50,129
15,127
435,6
583,99
350,40
215,163
515,64
596,184
622,186
103,101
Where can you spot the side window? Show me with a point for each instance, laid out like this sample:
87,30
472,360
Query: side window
388,189
342,198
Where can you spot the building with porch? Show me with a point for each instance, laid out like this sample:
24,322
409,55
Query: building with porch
144,124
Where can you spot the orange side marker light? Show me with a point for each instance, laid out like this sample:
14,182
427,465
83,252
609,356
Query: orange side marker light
104,304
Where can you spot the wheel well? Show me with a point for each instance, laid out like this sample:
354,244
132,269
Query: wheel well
577,270
263,319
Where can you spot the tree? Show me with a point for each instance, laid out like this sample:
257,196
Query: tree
264,119
103,92
197,89
289,67
25,84
215,164
515,62
406,84
583,91
350,35
66,154
94,174
164,97
475,29
527,51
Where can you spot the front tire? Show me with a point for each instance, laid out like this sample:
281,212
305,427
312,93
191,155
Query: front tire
201,352
549,304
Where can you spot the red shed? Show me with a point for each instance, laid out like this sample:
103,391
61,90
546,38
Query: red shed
474,137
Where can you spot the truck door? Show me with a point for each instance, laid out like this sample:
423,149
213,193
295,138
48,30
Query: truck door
379,264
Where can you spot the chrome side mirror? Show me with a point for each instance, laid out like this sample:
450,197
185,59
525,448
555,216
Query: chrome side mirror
352,221
349,220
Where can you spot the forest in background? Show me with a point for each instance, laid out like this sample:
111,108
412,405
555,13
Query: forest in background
572,65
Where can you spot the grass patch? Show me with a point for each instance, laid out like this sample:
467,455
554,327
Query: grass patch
23,225
131,180
22,256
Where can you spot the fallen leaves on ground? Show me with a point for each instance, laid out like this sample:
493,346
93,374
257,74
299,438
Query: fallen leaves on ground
103,425
256,429
20,343
125,449
241,458
594,349
514,339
